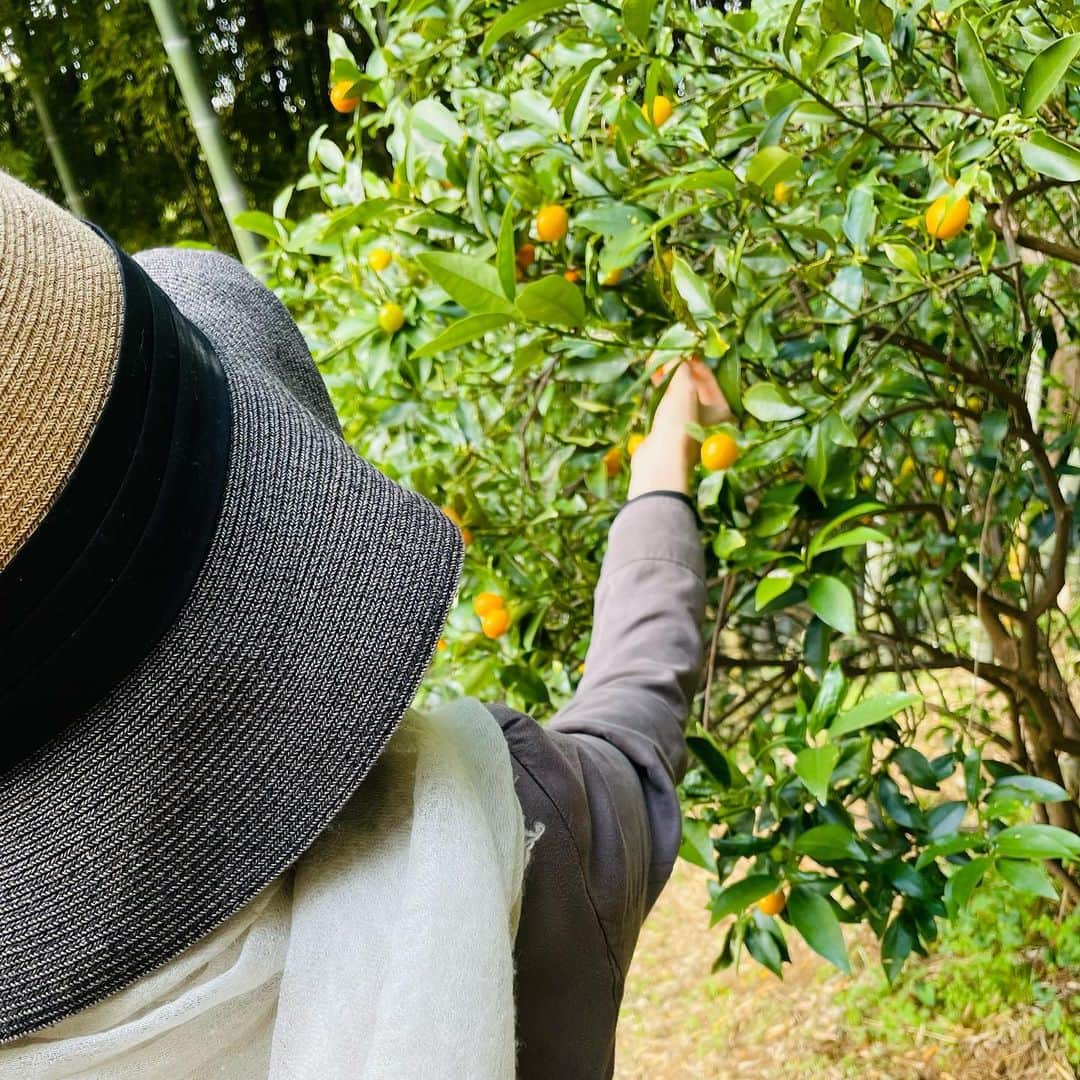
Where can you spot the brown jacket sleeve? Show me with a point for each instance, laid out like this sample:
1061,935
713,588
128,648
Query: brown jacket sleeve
600,780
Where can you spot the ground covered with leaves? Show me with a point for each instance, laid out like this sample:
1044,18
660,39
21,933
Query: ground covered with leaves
965,1013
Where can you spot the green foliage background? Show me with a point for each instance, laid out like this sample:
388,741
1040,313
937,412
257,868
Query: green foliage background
120,117
902,506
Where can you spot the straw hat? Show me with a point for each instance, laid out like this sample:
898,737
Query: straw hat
212,612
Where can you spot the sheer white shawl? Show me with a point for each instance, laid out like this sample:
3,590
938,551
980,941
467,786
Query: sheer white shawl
385,952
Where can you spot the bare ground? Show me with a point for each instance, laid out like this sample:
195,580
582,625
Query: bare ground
679,1022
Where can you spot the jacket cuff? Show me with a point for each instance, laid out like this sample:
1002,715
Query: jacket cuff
658,525
680,495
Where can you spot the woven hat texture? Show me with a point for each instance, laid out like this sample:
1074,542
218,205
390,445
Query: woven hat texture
220,759
60,307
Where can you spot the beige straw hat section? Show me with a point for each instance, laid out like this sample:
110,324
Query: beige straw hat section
60,319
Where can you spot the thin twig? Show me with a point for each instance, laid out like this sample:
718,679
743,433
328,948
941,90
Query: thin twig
718,624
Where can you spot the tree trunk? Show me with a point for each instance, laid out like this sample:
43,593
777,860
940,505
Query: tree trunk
66,175
205,122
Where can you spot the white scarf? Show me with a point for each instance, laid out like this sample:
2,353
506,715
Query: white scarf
385,952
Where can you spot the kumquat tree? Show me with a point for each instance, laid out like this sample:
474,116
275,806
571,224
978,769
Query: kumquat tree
863,216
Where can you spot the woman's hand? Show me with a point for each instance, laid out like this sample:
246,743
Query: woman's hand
664,461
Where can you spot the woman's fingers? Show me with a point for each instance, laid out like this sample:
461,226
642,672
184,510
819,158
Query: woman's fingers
709,392
692,396
663,462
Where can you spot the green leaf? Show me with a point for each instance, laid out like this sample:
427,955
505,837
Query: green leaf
524,680
982,84
364,213
949,845
791,26
973,777
837,15
836,45
860,218
1038,842
908,881
871,711
726,956
945,819
1051,157
505,260
829,843
1046,71
768,403
774,584
764,948
903,258
1028,789
814,766
903,811
578,95
831,601
432,119
771,520
857,537
727,541
263,224
743,845
962,882
816,640
534,110
874,15
613,219
696,846
770,165
858,510
817,460
637,16
711,756
829,696
692,289
739,896
1027,877
473,283
517,17
916,768
552,300
813,916
896,945
460,332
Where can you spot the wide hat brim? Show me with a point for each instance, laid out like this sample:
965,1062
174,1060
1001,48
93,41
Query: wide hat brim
221,758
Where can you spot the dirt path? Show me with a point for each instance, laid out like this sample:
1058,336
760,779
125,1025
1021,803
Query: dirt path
681,1023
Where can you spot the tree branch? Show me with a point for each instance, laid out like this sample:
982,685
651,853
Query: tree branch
1055,577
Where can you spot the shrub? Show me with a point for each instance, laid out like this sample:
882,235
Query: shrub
859,215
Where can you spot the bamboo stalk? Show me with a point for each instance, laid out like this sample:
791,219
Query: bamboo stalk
204,120
53,142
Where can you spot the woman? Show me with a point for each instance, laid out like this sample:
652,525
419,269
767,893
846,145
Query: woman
230,847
